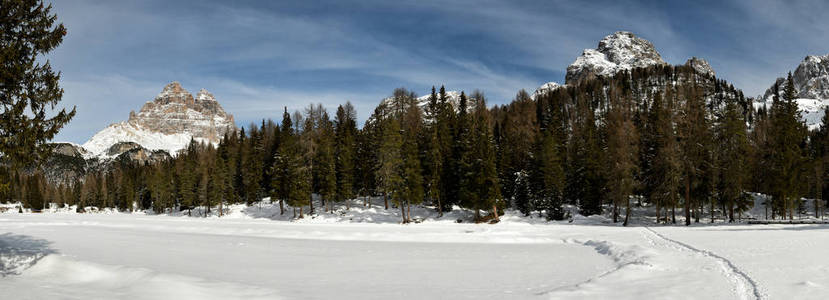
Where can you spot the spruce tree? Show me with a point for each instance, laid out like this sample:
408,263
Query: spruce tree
345,148
694,139
389,179
30,88
622,154
732,149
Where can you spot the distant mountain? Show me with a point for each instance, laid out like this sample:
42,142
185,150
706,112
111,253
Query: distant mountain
617,52
167,123
811,82
157,132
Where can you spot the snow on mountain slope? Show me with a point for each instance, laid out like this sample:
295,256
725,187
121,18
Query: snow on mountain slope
616,52
811,84
128,132
545,88
168,123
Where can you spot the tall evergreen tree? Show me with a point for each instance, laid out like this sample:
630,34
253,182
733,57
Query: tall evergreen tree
346,146
29,88
622,154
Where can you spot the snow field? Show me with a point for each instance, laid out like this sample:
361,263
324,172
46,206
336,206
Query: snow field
253,252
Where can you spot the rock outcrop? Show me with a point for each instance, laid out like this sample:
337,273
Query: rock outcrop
168,123
701,66
175,111
811,79
616,52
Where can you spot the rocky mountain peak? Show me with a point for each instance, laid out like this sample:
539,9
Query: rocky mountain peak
168,122
204,95
621,50
545,88
811,79
700,65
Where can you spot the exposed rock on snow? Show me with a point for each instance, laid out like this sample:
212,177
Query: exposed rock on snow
452,97
811,79
700,65
168,123
811,83
545,88
66,164
616,52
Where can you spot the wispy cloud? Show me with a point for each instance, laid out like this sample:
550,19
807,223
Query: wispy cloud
257,57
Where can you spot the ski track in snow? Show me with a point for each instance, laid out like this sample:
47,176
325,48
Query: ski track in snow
744,286
622,257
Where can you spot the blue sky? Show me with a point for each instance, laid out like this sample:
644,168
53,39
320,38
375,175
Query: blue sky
258,56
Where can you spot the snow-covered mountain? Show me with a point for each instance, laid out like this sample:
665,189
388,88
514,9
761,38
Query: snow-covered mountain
811,83
168,122
616,52
452,97
545,88
619,51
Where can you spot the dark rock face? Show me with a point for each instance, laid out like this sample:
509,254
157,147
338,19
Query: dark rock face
66,164
616,52
132,152
121,147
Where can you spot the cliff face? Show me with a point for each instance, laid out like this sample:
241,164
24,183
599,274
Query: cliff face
616,52
175,111
168,122
811,84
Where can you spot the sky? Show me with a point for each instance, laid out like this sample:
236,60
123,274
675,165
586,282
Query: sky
257,57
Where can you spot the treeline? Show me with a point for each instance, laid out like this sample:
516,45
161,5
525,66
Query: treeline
664,136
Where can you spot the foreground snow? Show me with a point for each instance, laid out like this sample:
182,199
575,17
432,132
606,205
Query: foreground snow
254,253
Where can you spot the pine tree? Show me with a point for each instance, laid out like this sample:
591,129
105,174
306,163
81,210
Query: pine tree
389,179
585,182
301,164
325,162
786,157
447,132
411,172
622,154
733,143
665,175
30,88
283,162
346,145
484,174
694,143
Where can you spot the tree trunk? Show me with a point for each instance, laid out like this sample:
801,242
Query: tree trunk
658,211
408,211
403,213
311,211
495,211
712,210
300,213
687,200
386,200
673,209
615,212
294,212
627,212
221,209
281,206
440,209
731,213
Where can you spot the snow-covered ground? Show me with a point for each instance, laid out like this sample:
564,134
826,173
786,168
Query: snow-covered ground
253,253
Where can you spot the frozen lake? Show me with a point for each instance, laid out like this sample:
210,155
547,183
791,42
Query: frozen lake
72,256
